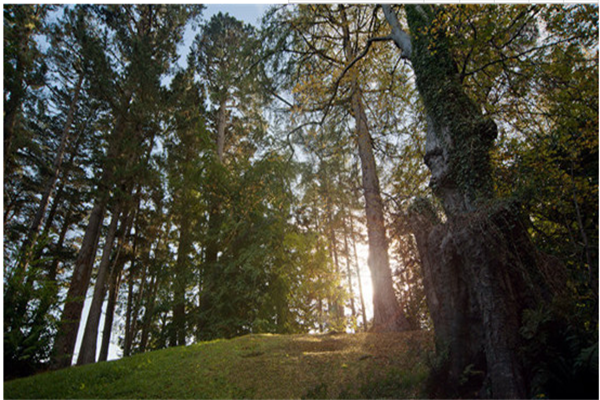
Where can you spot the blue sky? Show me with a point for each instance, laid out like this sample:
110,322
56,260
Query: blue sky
250,13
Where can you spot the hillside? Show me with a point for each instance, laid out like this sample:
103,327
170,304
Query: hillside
365,365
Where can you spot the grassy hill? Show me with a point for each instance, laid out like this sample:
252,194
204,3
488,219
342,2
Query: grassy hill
365,365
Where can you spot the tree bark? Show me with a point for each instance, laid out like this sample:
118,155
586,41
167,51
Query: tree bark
113,293
480,269
179,283
87,352
71,315
387,314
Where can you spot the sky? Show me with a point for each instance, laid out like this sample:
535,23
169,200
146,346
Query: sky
248,13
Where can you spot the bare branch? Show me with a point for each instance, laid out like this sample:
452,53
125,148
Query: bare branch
347,68
401,38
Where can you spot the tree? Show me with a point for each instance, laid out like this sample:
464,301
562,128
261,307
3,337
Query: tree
327,39
185,166
22,66
223,56
33,253
491,251
147,37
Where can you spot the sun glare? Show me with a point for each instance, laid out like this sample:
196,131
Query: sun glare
362,252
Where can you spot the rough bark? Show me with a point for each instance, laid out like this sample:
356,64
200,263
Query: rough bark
87,352
480,269
457,149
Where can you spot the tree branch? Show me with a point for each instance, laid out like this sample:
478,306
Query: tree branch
350,65
401,38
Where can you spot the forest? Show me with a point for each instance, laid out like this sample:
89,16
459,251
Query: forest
171,178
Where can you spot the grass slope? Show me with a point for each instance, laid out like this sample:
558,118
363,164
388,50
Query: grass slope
365,365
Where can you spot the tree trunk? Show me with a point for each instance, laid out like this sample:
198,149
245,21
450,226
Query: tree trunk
338,309
71,315
387,314
221,129
180,278
128,314
360,287
70,319
87,352
49,188
480,269
348,269
113,293
211,249
115,280
148,313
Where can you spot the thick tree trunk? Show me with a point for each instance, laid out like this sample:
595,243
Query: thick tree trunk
387,314
457,148
211,250
87,352
71,315
480,269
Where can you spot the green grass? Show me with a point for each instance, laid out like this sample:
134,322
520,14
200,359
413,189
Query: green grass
366,365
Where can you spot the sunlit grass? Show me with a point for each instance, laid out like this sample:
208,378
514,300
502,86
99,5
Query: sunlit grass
253,366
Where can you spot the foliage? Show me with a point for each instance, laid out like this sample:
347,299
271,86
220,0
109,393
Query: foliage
561,352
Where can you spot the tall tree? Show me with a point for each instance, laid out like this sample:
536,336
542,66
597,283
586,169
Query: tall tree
327,42
22,66
490,267
147,37
186,153
223,55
